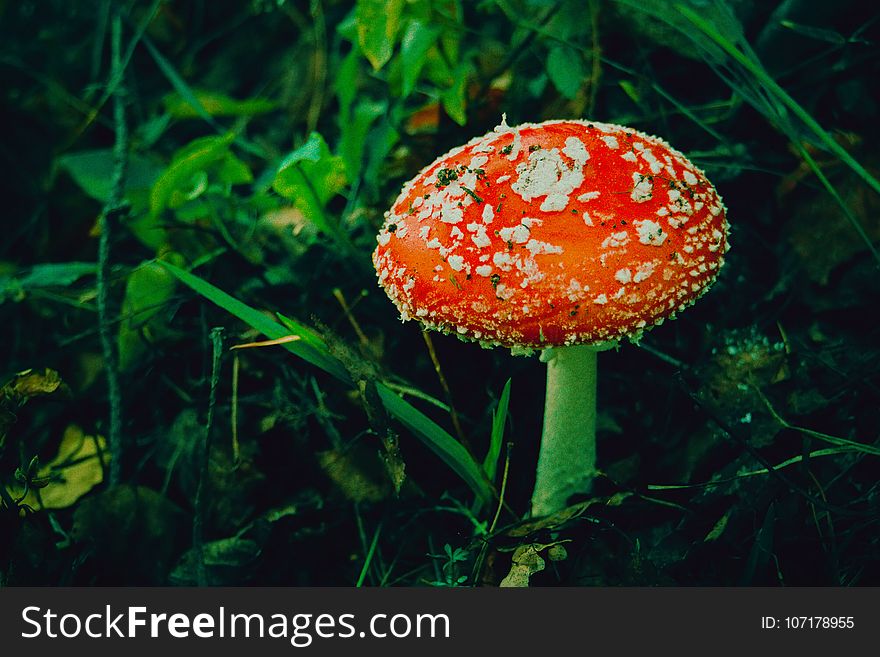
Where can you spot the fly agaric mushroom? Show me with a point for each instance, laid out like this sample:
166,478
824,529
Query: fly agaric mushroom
564,236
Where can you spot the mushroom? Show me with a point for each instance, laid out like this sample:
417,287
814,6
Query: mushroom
564,236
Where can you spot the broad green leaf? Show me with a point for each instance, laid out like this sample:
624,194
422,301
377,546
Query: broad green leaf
311,348
454,98
148,289
215,104
150,131
499,419
378,22
76,469
565,70
450,11
187,164
232,171
45,275
56,274
437,69
354,133
414,45
381,138
310,176
93,172
346,81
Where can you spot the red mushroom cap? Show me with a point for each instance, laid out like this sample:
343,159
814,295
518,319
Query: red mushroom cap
548,234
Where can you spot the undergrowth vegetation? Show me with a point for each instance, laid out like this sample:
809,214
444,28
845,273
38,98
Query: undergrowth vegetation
201,382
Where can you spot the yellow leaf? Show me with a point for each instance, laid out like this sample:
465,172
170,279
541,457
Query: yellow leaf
74,471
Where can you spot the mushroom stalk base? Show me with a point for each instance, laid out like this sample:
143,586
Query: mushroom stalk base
567,458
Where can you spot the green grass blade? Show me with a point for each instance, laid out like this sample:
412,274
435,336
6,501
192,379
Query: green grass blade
189,96
368,558
843,206
313,350
306,334
180,85
304,348
437,440
831,451
770,84
499,419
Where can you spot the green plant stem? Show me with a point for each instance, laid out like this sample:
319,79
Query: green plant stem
112,210
567,458
204,463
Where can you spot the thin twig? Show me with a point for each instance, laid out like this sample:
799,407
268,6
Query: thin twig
453,414
362,338
204,462
236,447
503,489
113,209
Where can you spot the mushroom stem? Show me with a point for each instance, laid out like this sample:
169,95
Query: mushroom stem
567,458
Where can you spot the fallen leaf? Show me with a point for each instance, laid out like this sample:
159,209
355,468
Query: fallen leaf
134,534
29,383
551,522
75,470
525,562
819,231
346,471
227,561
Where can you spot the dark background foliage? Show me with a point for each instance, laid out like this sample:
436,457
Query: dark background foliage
739,443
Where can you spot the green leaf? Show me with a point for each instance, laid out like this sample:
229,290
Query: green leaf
378,22
450,11
306,348
56,274
232,171
185,167
93,172
191,97
417,40
817,33
565,70
61,274
215,104
499,419
354,133
311,348
346,81
454,98
437,440
380,140
179,84
762,549
148,289
310,176
630,90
